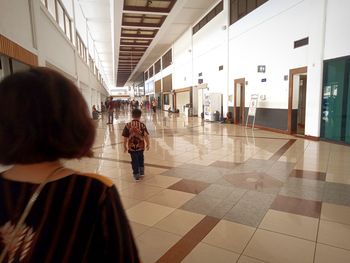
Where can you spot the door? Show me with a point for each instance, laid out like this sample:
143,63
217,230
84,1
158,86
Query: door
238,101
297,100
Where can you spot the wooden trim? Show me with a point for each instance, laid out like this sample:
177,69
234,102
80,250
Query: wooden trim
188,89
292,72
15,51
237,81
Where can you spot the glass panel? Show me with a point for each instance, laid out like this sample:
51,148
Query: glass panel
242,8
68,27
52,7
347,129
332,103
60,16
251,5
234,11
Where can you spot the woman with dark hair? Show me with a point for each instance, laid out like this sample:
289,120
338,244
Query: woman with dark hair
49,213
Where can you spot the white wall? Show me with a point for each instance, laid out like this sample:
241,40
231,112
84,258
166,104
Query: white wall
337,42
15,23
182,61
53,47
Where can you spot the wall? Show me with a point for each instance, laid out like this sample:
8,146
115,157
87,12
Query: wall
52,47
337,42
17,27
210,50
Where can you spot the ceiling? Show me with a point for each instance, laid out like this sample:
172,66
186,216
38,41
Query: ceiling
130,35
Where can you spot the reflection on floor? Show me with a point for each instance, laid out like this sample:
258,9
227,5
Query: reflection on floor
222,193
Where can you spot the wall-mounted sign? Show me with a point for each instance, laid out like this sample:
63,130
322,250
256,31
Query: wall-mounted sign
261,68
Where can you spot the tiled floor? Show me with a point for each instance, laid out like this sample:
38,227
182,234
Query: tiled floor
222,193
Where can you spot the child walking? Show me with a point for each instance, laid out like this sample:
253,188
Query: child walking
135,136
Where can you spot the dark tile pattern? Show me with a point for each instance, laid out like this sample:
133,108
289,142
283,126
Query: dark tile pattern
185,245
260,182
251,208
297,206
303,188
308,175
227,165
189,186
282,150
336,193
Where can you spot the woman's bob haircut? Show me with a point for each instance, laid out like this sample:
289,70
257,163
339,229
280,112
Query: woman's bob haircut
43,117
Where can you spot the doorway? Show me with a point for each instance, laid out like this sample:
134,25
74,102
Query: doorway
238,101
297,100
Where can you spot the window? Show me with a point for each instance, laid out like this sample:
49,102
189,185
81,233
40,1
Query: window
60,16
167,59
68,27
150,71
240,8
146,75
301,42
205,20
157,67
51,6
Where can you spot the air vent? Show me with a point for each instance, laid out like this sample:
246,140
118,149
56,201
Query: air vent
301,42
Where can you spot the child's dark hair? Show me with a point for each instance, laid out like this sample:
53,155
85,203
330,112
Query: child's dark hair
136,113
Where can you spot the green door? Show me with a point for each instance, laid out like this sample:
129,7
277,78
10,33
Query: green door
335,122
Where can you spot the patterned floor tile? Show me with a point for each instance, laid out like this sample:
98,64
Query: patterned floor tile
337,193
303,189
251,208
227,165
308,175
260,182
201,204
189,186
297,206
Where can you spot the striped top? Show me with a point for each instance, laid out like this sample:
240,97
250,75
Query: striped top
78,218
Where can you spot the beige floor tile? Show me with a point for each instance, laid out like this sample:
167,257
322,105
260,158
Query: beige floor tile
334,234
277,248
121,184
148,213
336,213
171,198
140,191
138,229
338,177
290,224
204,253
161,180
327,254
245,259
179,222
129,202
229,235
153,243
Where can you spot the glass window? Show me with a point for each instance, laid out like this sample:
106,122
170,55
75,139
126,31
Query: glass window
335,115
68,27
60,16
52,7
242,8
251,5
234,11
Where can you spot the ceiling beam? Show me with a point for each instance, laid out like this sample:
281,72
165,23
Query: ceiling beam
139,26
145,11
